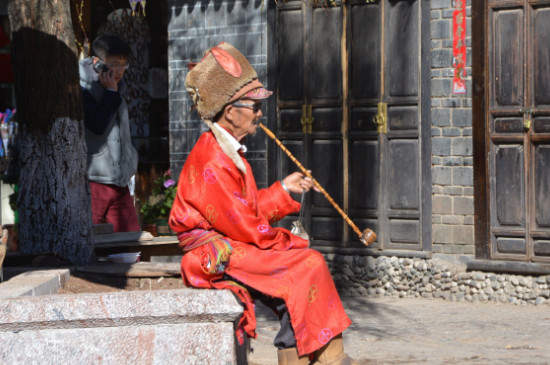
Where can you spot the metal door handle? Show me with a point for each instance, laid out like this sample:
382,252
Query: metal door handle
307,118
527,118
381,119
303,119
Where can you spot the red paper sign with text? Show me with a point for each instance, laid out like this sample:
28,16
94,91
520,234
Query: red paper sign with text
459,47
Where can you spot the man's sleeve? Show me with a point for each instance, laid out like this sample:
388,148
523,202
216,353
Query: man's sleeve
236,215
98,115
274,203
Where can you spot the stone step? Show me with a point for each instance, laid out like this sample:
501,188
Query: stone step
34,283
142,327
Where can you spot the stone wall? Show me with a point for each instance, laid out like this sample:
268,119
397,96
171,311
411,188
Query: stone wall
404,277
193,28
452,155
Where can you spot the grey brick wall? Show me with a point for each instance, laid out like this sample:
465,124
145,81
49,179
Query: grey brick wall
452,170
194,27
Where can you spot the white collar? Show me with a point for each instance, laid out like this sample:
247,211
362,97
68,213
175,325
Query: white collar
234,143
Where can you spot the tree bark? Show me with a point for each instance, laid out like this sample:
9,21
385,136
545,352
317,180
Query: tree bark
54,197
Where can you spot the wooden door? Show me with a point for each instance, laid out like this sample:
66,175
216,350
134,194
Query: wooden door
518,129
332,67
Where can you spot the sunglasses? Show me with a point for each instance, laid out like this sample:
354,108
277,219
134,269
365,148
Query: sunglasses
254,107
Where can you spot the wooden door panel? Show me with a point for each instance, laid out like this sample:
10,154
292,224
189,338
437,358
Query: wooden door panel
285,164
361,121
364,172
326,158
540,134
402,31
508,42
289,120
541,125
510,246
327,120
291,55
542,186
404,232
509,187
541,248
325,143
507,125
507,152
403,189
542,56
365,51
326,58
403,118
364,176
326,230
401,145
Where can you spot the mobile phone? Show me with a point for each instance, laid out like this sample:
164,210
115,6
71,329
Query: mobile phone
99,66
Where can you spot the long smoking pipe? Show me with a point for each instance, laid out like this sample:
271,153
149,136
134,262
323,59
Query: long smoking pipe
367,236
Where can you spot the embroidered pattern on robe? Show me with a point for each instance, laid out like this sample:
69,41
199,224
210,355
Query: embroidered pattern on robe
213,195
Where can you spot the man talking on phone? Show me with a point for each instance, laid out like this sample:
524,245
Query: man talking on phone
112,160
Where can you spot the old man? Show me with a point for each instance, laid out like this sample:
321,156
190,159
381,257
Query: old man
224,222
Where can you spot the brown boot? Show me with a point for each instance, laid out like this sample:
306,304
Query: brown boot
290,357
333,354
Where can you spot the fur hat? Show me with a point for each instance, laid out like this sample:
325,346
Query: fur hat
222,76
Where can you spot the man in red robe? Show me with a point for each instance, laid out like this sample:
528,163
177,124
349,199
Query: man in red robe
224,222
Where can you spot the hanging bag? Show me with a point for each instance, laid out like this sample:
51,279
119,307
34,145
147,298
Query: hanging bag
297,226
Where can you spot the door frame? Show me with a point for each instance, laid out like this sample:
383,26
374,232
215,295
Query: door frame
425,132
426,125
479,102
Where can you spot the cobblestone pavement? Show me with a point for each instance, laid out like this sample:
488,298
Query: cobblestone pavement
430,331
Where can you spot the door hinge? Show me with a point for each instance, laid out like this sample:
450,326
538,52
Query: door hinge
307,118
381,119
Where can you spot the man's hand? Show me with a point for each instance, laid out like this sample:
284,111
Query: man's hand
108,81
298,183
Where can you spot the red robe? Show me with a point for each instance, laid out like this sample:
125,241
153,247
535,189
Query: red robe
214,195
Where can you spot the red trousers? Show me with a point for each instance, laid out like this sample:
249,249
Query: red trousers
114,204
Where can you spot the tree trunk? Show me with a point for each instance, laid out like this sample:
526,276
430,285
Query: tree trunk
54,196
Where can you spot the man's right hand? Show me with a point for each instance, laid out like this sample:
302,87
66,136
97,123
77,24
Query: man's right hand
298,183
107,80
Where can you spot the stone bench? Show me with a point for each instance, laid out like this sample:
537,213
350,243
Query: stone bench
187,326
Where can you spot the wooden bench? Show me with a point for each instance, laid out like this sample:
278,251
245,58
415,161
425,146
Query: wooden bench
126,242
111,243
